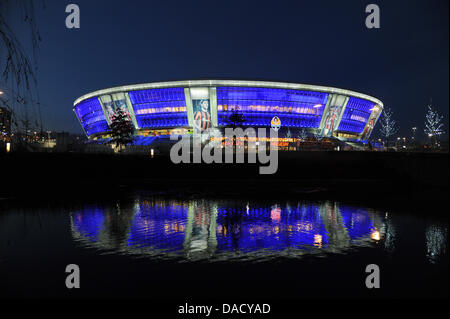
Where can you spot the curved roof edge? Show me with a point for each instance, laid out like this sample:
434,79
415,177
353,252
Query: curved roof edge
197,83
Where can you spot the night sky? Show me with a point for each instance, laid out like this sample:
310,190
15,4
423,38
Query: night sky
404,63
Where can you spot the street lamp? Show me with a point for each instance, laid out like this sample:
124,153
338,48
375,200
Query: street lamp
414,129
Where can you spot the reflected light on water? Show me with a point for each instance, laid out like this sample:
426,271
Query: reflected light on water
436,239
318,240
275,214
221,230
375,235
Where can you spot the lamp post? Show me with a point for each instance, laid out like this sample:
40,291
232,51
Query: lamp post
413,139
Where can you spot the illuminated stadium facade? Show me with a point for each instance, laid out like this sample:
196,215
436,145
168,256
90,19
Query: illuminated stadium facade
165,108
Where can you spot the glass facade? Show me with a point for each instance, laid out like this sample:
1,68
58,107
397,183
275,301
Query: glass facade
157,108
356,115
91,116
166,108
259,105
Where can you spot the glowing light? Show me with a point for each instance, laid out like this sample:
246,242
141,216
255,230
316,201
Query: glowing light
358,118
8,147
275,214
162,225
375,235
318,105
276,121
318,240
152,152
294,108
91,116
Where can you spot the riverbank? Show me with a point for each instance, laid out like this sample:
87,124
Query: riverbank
411,180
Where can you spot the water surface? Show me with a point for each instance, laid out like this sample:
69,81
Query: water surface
124,246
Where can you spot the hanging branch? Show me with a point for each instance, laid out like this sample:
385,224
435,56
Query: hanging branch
18,69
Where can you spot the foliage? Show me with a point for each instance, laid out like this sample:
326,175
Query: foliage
303,134
235,119
122,129
288,133
388,126
18,80
318,136
433,123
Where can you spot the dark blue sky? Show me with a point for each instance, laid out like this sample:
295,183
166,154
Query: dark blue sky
315,42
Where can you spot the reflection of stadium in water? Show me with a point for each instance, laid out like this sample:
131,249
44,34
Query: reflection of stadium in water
219,230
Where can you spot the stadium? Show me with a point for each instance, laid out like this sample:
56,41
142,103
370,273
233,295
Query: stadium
158,110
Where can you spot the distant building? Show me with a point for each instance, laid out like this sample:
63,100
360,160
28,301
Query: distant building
5,121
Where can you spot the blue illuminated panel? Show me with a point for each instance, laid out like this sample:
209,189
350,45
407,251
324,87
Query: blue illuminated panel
356,115
265,228
159,226
172,226
295,108
276,229
91,116
159,107
89,223
357,222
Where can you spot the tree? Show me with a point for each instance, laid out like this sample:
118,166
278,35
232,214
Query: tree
318,136
122,129
288,136
18,67
288,133
303,134
235,119
388,126
433,124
